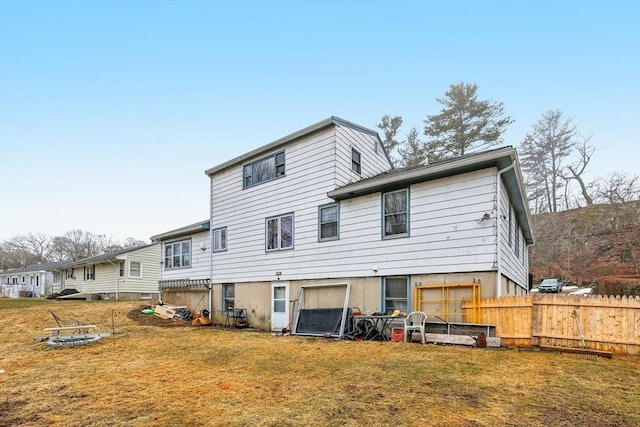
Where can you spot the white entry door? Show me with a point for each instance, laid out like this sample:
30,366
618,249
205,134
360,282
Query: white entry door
279,306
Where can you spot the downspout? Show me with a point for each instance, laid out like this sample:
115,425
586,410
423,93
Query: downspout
499,226
210,249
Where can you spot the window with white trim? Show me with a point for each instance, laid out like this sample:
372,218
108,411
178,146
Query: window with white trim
328,222
395,214
121,269
220,239
396,294
177,254
279,232
24,278
90,272
356,164
135,268
69,273
263,170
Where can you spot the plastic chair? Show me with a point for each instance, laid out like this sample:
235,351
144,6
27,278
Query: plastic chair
414,322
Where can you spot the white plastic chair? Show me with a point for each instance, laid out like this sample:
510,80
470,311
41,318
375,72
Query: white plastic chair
415,322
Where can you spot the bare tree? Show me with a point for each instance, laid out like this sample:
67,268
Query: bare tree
585,151
543,153
617,187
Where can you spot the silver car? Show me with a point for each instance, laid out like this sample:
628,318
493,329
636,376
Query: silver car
550,285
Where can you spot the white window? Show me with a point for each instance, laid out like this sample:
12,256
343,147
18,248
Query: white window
177,254
396,214
279,232
356,165
228,297
135,269
121,269
328,222
69,272
90,272
220,239
57,277
396,291
263,170
24,279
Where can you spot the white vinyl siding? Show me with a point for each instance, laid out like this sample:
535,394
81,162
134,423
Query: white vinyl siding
444,213
511,239
200,260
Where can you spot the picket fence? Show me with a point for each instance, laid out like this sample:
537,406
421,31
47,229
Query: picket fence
607,323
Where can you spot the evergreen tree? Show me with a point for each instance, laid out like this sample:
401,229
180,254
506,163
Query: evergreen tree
464,124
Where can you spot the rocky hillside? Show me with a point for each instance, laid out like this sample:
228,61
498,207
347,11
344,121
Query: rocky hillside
582,245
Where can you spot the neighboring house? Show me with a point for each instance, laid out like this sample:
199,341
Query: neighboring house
33,280
128,274
323,206
185,265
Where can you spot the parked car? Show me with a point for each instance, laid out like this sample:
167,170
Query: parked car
550,285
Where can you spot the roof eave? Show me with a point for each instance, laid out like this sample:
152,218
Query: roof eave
182,231
331,121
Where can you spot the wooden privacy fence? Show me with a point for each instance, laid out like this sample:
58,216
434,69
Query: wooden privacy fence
607,323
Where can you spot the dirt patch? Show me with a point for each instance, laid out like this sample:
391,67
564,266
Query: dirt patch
152,320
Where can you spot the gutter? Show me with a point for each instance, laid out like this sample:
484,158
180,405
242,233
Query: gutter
498,226
419,174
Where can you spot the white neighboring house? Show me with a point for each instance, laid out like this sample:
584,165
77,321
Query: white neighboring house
128,274
185,260
324,206
33,280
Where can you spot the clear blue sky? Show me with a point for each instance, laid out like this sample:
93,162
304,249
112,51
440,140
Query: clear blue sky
110,111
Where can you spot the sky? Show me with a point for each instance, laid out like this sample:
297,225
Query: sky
111,111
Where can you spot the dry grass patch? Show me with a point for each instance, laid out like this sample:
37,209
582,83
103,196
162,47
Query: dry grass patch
162,376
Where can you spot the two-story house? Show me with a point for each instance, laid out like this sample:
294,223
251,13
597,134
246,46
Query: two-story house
324,206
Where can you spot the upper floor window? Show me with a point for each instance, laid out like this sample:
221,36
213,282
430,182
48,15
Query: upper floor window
135,269
396,213
220,239
263,170
90,272
177,254
279,232
328,222
355,161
